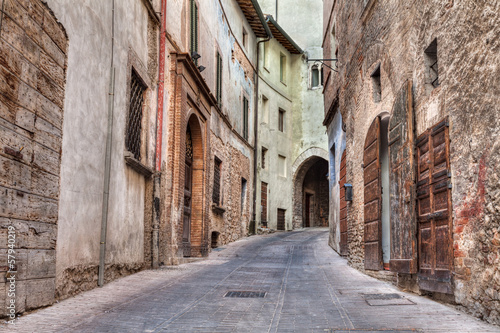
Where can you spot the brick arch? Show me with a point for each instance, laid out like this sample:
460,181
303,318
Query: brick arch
300,167
193,248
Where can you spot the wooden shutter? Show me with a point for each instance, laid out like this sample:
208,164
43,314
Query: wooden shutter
263,202
281,219
434,210
402,184
343,207
373,198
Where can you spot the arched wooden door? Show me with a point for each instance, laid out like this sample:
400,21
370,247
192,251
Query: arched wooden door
372,198
343,207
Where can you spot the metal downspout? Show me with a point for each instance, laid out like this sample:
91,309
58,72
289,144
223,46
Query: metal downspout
107,163
256,120
155,237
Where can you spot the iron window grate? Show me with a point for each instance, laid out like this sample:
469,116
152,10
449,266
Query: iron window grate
246,294
133,139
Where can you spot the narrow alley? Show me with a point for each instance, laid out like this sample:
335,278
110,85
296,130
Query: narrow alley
288,282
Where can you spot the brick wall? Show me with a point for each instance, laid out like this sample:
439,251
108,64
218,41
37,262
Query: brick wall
395,36
33,61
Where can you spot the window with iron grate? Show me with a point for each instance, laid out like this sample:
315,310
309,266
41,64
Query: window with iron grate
216,189
134,125
431,60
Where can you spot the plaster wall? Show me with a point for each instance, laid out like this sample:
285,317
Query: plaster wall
89,28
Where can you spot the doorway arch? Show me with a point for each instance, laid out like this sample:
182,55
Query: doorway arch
193,215
311,166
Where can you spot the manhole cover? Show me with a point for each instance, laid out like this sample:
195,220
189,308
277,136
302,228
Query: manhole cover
246,294
386,299
382,296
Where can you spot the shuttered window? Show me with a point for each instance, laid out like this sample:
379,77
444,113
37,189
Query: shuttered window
218,88
245,118
216,189
193,42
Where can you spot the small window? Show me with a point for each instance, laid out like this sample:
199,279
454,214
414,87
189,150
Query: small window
282,165
218,83
245,39
431,61
282,67
314,76
193,38
281,120
217,177
245,118
265,109
377,85
243,194
263,158
134,124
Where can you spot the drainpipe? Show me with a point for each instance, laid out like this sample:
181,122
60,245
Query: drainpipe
255,130
155,237
107,163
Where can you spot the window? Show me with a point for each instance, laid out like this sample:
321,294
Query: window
245,39
218,83
263,158
265,109
281,120
265,46
193,40
431,62
243,193
216,189
377,85
245,118
282,165
282,67
314,76
134,124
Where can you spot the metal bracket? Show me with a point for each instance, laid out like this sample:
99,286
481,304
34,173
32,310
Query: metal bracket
322,61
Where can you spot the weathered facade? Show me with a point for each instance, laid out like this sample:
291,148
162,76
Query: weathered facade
291,141
416,98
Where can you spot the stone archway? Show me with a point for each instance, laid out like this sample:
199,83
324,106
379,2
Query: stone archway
193,217
304,167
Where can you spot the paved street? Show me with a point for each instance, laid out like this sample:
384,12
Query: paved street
308,288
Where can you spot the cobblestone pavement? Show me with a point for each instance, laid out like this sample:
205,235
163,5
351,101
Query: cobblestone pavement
308,287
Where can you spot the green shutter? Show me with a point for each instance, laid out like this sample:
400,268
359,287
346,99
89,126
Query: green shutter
218,87
193,42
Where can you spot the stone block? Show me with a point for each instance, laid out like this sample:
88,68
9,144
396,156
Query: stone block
30,234
41,264
47,134
46,159
44,184
49,89
49,111
40,292
55,32
14,174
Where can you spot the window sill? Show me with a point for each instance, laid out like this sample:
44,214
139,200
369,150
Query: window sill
218,210
137,166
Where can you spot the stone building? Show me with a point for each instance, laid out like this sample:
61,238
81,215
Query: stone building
291,156
415,105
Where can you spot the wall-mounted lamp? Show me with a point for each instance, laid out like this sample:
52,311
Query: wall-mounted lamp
348,192
201,68
195,55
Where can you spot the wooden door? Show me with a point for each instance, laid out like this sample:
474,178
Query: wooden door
281,219
307,222
263,203
402,183
373,198
435,255
343,207
188,186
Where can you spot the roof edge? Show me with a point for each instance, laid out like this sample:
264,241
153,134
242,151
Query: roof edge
280,29
262,18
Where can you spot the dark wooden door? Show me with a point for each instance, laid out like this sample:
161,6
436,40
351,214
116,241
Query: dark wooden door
281,219
402,183
435,255
343,207
263,203
307,222
373,198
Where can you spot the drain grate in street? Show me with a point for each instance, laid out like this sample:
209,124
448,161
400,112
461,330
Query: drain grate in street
386,299
246,294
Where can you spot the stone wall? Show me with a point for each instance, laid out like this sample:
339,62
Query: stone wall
395,37
33,48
